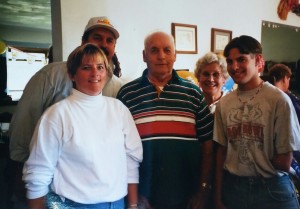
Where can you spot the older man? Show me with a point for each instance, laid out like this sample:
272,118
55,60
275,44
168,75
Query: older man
174,123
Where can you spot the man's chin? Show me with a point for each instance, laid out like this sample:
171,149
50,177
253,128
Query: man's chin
238,79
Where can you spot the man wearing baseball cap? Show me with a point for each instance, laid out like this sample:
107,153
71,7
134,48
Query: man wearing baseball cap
108,46
48,86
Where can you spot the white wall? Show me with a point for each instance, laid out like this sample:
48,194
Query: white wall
134,19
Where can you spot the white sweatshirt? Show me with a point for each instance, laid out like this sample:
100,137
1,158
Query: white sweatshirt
87,148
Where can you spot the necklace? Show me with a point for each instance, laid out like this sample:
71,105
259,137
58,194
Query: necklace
258,90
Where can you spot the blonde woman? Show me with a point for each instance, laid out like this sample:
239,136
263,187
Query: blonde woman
85,148
211,72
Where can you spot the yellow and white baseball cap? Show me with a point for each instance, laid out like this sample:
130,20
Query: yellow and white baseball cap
101,22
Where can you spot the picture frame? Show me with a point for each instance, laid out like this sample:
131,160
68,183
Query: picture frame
219,39
185,37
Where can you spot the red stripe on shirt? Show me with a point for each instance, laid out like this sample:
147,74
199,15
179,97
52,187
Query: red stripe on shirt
166,128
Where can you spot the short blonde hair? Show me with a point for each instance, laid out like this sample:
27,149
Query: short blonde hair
208,59
77,55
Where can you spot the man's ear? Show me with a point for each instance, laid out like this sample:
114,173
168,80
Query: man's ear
144,56
285,79
259,62
71,77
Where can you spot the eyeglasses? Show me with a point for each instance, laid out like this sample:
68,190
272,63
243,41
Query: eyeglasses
207,75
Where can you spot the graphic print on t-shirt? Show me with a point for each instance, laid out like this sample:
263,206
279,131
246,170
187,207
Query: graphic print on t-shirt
245,132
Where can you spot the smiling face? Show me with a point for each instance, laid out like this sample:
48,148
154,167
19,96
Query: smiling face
243,68
211,80
91,75
159,54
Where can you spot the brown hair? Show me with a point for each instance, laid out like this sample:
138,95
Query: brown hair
278,71
245,44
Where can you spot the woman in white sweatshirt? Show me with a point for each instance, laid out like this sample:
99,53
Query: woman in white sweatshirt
86,150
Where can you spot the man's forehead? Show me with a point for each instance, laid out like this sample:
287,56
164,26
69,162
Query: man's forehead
236,54
159,44
102,32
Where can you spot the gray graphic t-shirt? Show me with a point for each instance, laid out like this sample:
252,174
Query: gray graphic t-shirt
255,125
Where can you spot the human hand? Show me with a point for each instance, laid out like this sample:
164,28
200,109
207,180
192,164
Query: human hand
38,203
219,205
143,203
199,200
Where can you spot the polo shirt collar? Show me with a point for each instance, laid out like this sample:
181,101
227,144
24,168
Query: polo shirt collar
175,77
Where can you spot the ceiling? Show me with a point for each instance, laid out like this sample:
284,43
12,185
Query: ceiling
26,13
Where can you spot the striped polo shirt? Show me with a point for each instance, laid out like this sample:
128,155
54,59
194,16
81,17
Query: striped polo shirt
171,125
179,112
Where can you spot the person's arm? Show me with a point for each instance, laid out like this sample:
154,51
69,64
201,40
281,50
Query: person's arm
45,151
38,203
287,131
132,197
134,152
48,86
200,198
204,125
283,161
206,166
25,117
220,159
